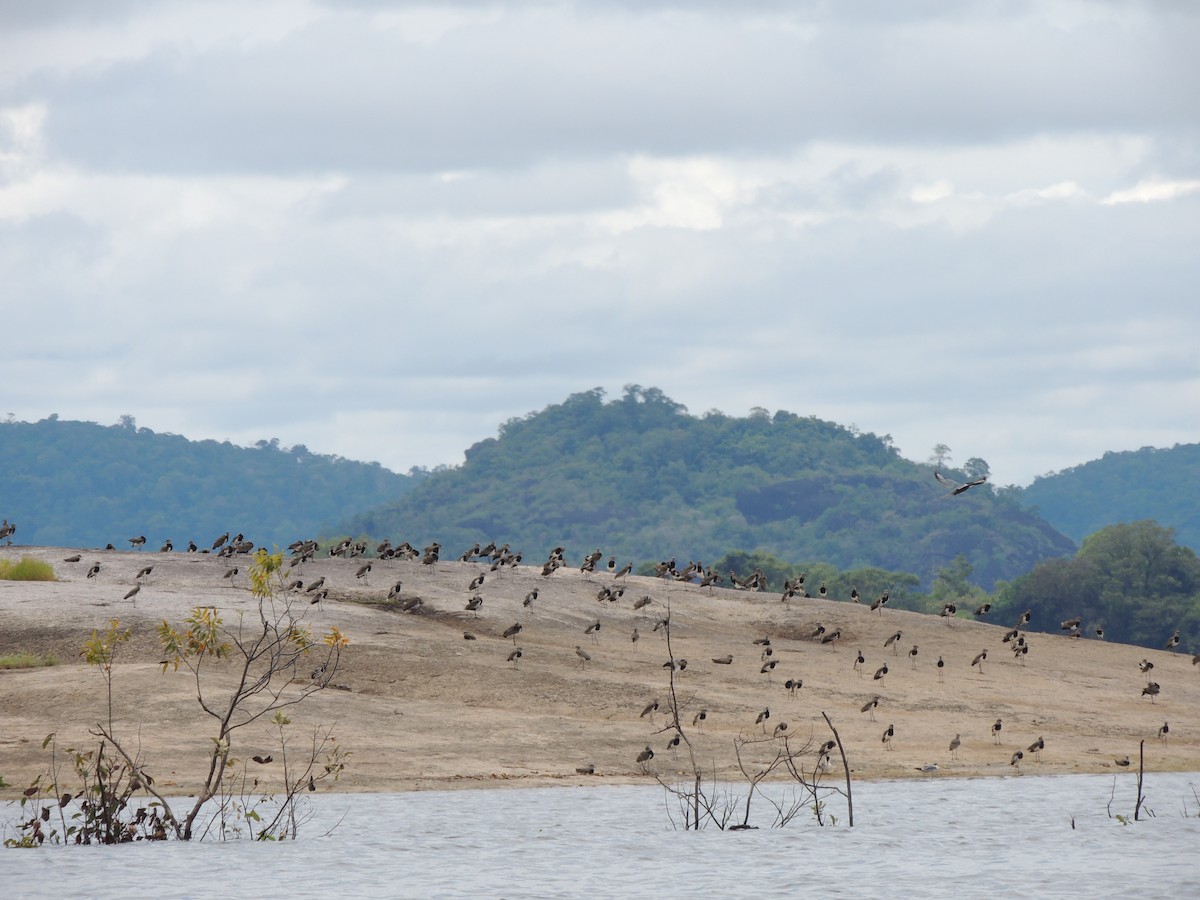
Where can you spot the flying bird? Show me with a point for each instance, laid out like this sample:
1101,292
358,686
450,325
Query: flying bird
955,487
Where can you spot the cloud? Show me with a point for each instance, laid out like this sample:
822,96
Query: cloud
381,229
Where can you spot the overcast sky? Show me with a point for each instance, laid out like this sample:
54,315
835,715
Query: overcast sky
382,228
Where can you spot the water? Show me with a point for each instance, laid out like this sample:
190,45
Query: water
931,837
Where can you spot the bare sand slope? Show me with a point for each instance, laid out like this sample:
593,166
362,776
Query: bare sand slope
424,708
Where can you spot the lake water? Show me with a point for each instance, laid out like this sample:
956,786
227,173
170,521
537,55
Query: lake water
930,837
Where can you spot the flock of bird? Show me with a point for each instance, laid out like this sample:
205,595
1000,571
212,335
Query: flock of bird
488,560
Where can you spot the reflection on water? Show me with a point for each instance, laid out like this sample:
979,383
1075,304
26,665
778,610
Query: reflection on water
929,837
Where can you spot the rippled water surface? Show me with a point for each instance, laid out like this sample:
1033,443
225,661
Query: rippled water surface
929,837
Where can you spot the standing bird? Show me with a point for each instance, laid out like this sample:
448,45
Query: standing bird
584,656
219,542
858,663
94,570
1163,732
1152,690
1100,632
633,638
880,673
645,756
955,487
888,735
869,707
891,642
854,594
474,604
1016,761
512,631
1172,641
762,718
229,573
912,656
144,572
530,597
983,610
515,656
592,631
996,726
363,571
651,708
167,547
476,583
955,743
320,595
941,667
316,585
793,685
1145,665
832,638
133,593
699,719
140,540
978,660
1036,748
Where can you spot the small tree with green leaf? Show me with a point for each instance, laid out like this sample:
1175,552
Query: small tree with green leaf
275,663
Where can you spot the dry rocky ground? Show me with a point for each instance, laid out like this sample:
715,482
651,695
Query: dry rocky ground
420,707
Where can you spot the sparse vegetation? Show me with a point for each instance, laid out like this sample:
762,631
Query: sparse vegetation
21,660
781,753
26,569
243,672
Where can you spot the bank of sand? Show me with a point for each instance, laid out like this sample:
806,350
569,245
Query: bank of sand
423,708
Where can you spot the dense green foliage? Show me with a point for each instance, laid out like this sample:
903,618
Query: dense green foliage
641,478
1163,485
78,484
1132,580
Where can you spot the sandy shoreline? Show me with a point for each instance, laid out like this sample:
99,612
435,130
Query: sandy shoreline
421,708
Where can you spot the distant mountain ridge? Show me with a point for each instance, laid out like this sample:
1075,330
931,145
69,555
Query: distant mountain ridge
79,484
1150,483
637,476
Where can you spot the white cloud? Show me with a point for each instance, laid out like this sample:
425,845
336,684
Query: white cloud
380,229
1153,190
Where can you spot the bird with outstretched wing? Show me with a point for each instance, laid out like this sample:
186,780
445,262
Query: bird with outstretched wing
955,487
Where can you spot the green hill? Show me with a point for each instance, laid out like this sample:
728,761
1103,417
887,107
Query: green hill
641,478
81,484
1161,485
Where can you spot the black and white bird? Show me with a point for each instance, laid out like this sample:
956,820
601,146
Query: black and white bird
956,487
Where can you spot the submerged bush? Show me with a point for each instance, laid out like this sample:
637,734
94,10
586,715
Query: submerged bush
26,570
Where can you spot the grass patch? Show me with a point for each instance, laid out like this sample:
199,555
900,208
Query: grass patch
27,660
26,570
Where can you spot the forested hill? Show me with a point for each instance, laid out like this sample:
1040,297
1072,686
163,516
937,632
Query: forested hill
81,484
641,478
1162,485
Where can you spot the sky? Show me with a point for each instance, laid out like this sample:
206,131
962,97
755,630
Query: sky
381,229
